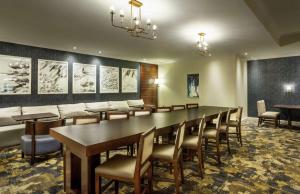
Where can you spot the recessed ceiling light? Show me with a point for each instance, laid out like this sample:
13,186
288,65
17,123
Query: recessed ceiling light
209,54
144,59
99,52
246,54
74,48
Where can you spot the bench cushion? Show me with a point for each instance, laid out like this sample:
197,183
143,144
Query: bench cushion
119,105
40,109
65,109
97,105
136,103
10,111
11,135
6,121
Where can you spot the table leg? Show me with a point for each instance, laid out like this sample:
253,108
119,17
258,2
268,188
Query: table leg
88,165
289,119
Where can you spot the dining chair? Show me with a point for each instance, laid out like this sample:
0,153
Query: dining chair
144,112
194,143
237,123
214,134
267,116
178,107
164,109
37,141
82,120
192,105
224,129
127,168
117,116
172,154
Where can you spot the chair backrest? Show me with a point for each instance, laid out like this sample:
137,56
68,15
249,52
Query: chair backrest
239,114
82,120
117,115
218,124
164,109
42,127
145,150
179,139
201,130
261,107
142,112
178,107
192,105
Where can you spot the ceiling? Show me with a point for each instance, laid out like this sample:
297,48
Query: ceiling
231,26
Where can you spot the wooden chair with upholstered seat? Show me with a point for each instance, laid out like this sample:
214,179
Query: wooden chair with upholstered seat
267,116
143,112
192,105
194,143
214,134
37,141
115,116
82,120
172,154
164,109
178,107
224,129
237,124
129,169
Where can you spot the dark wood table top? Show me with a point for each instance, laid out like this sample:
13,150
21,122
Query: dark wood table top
287,106
92,135
34,116
98,110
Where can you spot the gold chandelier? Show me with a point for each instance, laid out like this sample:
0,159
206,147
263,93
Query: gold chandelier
134,25
203,45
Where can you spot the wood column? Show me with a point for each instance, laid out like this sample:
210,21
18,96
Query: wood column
149,91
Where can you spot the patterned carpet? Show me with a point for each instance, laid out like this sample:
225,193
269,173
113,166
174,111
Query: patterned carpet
268,162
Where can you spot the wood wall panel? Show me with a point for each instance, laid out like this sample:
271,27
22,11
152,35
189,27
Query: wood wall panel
148,89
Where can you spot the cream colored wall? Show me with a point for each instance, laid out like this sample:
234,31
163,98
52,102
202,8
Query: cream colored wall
217,82
241,84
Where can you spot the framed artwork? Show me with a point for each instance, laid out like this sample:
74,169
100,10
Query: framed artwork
15,75
193,85
109,79
52,77
129,80
84,78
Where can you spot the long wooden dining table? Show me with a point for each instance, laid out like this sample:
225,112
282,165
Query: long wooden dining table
84,143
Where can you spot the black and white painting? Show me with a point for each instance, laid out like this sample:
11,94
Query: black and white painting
84,78
15,75
129,80
52,77
109,79
193,85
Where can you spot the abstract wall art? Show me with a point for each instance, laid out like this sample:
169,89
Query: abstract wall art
15,75
193,85
129,80
52,77
109,79
84,78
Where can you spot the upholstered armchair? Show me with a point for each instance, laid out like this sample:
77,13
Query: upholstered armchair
264,115
37,141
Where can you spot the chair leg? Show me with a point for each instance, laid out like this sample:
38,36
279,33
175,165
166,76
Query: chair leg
170,168
181,169
22,154
202,156
240,134
107,155
137,186
218,152
98,184
176,177
206,142
258,122
228,144
149,174
116,187
200,163
276,122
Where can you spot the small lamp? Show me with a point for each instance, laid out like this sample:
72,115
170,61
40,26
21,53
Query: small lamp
157,82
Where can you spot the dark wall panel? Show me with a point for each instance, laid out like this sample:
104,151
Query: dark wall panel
36,53
266,80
